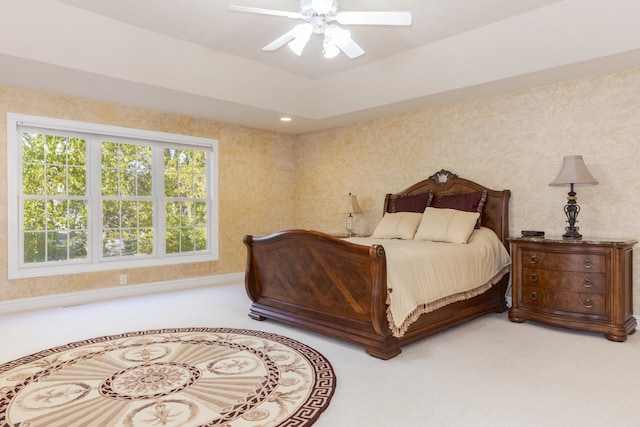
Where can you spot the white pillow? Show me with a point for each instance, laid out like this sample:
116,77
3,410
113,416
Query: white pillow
446,225
398,225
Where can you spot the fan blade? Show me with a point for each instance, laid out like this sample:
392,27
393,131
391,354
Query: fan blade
374,18
298,35
351,49
247,9
280,41
338,38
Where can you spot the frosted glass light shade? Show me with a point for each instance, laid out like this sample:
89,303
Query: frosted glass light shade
302,34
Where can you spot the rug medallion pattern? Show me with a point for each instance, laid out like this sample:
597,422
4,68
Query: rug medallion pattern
169,377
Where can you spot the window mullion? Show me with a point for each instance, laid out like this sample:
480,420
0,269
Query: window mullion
94,191
159,217
212,197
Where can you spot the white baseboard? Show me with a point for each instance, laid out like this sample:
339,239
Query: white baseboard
84,297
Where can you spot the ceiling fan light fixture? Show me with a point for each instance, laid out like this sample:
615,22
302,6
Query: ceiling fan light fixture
301,34
297,46
330,49
339,36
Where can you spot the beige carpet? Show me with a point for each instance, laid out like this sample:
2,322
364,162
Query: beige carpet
169,377
489,372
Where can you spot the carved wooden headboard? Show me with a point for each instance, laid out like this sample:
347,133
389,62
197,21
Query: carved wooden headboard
495,214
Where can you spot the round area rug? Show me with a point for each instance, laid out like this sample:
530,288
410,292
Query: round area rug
169,377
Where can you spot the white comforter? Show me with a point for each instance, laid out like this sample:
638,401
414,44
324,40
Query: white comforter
423,276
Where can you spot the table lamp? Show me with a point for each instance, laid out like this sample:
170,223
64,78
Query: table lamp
350,206
573,173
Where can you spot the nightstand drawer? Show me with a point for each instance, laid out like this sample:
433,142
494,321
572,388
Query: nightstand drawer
564,280
574,302
564,261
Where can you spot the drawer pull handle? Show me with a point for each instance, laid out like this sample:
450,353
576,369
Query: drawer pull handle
587,303
534,277
533,259
587,263
534,296
587,283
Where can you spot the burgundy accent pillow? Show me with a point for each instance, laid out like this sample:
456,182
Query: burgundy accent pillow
469,202
413,203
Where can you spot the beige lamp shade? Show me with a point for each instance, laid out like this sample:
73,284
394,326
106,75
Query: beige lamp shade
350,205
575,172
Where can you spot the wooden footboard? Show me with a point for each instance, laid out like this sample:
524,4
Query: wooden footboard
321,283
336,288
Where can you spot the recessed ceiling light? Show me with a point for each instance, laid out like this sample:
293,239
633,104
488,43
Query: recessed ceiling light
285,119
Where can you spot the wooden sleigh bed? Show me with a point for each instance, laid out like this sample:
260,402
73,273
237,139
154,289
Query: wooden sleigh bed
333,287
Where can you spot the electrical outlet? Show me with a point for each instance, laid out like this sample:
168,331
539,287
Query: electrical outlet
123,279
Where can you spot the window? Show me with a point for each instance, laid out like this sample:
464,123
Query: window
94,197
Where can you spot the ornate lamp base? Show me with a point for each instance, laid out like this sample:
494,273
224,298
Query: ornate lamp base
350,226
571,209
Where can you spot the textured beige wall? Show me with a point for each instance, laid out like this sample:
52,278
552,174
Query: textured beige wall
513,141
256,172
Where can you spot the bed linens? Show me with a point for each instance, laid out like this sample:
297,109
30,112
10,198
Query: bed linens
423,276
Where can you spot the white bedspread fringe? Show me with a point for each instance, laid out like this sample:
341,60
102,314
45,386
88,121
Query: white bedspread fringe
427,308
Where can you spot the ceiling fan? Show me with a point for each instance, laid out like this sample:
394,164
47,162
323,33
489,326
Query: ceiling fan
318,16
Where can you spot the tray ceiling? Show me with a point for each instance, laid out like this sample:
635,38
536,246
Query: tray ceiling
193,57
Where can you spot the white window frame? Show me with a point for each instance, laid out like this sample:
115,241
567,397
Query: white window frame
16,269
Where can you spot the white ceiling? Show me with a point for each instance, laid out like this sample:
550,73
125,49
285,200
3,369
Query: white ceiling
193,57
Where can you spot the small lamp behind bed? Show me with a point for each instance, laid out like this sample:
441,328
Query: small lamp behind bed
350,206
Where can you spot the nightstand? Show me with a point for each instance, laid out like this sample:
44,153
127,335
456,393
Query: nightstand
580,284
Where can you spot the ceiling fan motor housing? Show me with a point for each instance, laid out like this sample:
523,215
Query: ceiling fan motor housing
319,14
328,12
